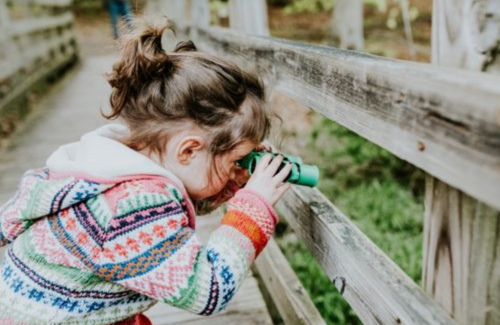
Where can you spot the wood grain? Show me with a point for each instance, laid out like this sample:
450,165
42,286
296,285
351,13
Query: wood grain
289,296
444,121
38,40
375,287
461,265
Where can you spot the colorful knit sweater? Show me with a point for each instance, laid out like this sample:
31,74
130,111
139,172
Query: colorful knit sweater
103,233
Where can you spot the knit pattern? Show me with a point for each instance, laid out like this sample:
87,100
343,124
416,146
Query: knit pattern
90,253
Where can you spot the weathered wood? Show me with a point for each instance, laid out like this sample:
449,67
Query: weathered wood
31,25
290,297
461,264
249,16
347,24
466,34
60,60
376,288
40,50
36,43
461,267
441,120
7,50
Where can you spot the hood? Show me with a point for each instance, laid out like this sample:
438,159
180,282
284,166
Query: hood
100,155
76,172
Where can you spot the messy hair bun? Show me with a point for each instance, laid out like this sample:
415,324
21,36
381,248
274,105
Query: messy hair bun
143,59
157,91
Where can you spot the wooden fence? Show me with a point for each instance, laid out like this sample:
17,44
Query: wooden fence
36,41
444,121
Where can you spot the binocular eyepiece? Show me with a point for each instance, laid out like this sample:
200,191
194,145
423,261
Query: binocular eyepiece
301,174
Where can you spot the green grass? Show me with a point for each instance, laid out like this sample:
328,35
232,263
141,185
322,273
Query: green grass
379,192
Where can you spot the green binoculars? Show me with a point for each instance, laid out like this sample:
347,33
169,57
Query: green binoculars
300,174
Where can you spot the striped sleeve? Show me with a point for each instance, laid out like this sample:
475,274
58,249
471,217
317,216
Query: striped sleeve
38,196
166,260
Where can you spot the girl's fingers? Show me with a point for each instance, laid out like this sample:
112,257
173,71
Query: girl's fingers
274,165
283,173
263,163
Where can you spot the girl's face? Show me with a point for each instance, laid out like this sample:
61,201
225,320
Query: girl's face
191,163
210,179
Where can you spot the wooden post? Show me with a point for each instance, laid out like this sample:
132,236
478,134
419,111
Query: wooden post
347,24
8,51
249,16
461,266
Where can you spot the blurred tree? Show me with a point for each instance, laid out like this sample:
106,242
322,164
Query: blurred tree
347,24
249,16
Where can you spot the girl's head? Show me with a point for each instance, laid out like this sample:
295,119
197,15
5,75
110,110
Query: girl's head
192,112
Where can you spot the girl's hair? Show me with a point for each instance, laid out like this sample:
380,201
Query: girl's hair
158,93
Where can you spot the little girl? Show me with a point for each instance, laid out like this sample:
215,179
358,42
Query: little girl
107,228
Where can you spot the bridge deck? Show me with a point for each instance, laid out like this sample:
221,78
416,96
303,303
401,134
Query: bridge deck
70,109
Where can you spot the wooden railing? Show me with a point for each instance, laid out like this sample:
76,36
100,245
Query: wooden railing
37,39
444,121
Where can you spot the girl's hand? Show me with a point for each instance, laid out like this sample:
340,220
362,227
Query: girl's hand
266,182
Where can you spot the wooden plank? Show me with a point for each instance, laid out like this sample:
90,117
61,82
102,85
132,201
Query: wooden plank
30,80
38,50
288,294
444,121
31,25
376,288
7,49
468,39
45,3
461,265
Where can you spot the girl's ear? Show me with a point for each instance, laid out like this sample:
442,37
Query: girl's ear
188,148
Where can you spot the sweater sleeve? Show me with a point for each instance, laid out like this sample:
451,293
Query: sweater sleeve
37,196
165,259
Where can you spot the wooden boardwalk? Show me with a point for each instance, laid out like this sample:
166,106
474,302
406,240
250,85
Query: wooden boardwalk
70,109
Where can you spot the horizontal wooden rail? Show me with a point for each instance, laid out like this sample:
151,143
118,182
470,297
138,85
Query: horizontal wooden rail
59,61
27,26
38,41
39,50
288,294
45,3
445,121
376,288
